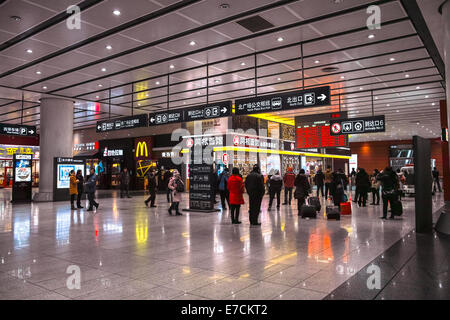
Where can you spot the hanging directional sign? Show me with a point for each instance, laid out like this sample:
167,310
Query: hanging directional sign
358,125
17,130
314,97
204,112
131,122
211,111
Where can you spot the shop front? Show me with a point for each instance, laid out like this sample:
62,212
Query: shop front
7,153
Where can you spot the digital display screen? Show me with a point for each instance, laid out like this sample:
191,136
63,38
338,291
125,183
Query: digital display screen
22,170
318,137
63,170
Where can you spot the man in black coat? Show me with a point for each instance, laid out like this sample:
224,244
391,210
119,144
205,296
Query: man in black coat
125,183
152,186
254,184
319,179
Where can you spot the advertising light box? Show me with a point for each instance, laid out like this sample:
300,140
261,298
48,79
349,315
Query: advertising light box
62,167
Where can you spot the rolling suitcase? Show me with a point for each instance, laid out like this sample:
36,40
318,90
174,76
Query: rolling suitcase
333,213
314,201
396,208
346,208
308,211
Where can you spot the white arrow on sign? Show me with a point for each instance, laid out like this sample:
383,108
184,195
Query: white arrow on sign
31,131
98,127
152,120
224,110
322,97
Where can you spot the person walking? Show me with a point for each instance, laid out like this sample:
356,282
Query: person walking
176,185
275,186
436,182
302,189
328,182
375,188
90,186
73,189
254,184
223,190
389,192
319,180
288,181
363,185
152,186
125,183
235,187
80,180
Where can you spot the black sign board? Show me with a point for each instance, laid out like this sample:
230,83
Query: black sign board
61,176
139,120
314,97
201,191
17,130
358,125
23,173
204,112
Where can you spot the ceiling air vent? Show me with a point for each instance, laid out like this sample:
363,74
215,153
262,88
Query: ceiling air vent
330,69
255,24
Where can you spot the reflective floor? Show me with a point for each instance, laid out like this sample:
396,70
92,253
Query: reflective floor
128,251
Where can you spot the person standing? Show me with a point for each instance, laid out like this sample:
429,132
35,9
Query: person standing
302,189
176,185
125,183
436,182
319,179
152,186
375,188
328,182
80,180
389,192
254,184
167,177
236,190
73,189
90,186
288,181
363,185
275,185
339,186
223,190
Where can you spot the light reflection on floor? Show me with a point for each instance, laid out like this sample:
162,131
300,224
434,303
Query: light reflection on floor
128,251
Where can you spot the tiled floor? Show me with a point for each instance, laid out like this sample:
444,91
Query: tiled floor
128,251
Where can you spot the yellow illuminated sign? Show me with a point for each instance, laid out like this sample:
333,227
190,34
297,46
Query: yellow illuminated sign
141,149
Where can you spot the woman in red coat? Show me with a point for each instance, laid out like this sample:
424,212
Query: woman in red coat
236,188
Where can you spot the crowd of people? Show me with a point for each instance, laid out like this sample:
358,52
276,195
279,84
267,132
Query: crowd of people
330,185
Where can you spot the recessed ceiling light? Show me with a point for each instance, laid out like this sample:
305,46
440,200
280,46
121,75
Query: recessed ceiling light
224,6
371,36
38,72
280,39
376,98
317,61
438,110
44,87
360,88
157,83
16,18
279,79
29,51
242,63
388,105
28,112
139,104
171,66
397,111
433,104
199,93
251,91
103,69
192,43
417,87
427,96
406,75
100,85
217,81
116,12
342,77
108,47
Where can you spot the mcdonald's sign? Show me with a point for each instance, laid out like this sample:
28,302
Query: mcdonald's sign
142,148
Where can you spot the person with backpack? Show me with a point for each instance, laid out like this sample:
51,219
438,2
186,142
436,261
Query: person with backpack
288,181
223,190
275,185
152,186
236,190
302,189
389,193
176,185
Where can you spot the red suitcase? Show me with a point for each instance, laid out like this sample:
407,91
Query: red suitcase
346,208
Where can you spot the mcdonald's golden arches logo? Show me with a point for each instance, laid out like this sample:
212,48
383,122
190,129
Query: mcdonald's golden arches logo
141,149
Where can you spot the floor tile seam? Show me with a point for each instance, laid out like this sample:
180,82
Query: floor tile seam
195,294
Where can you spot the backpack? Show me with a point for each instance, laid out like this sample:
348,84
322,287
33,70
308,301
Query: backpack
180,186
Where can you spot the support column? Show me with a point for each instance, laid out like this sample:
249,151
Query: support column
56,140
443,223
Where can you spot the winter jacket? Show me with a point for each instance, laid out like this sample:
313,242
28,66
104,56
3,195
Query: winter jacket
362,179
328,176
151,183
254,184
91,184
275,183
236,188
80,183
222,181
73,185
176,196
125,178
319,178
302,186
289,179
389,181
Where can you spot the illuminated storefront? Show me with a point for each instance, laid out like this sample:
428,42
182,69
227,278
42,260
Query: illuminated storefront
6,165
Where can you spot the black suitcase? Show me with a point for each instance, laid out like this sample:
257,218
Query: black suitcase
333,213
314,201
308,211
396,208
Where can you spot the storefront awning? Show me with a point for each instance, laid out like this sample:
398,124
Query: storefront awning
89,154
